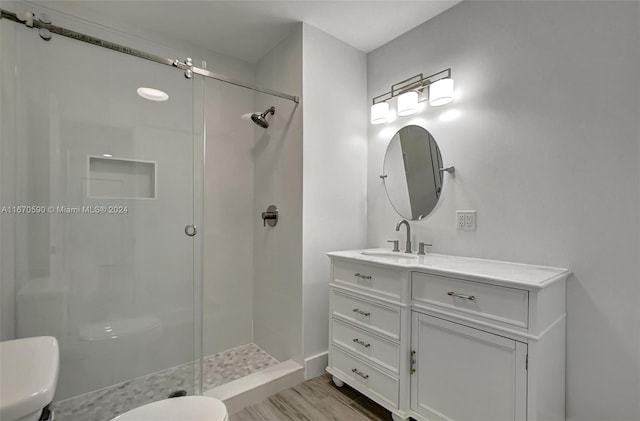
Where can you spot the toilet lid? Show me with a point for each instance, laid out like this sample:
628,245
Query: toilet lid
187,408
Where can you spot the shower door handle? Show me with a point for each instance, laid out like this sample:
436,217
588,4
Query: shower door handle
191,230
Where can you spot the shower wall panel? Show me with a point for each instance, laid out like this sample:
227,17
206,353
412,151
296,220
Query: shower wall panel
7,178
229,216
277,300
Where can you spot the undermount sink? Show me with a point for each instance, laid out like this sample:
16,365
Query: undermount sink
392,254
28,376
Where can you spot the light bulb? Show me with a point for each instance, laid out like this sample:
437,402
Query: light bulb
441,92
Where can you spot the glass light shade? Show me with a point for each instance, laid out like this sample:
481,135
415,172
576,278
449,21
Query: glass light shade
408,103
379,113
441,92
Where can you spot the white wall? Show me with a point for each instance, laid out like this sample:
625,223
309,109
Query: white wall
277,303
544,135
334,174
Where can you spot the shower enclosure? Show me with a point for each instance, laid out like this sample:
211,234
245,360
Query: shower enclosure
98,185
105,218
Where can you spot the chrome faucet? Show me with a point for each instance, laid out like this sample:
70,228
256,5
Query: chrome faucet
408,246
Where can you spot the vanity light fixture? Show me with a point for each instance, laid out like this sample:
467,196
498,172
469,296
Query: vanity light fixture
379,113
441,92
437,88
408,103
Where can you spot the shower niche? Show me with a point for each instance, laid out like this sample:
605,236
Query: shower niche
118,178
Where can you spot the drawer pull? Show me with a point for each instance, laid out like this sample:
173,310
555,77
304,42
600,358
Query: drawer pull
359,275
468,297
361,342
364,313
359,373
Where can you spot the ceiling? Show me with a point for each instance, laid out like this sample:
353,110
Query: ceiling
247,30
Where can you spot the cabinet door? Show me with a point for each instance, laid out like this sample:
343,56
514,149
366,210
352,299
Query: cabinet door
466,374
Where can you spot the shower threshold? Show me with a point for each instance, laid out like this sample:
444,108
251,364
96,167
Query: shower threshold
258,386
218,370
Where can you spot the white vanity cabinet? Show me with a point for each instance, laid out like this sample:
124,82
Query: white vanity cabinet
369,329
462,373
449,338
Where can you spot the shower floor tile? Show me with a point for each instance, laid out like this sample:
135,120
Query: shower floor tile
234,364
218,369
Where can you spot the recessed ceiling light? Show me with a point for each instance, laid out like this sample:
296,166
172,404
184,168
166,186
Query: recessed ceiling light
153,94
107,155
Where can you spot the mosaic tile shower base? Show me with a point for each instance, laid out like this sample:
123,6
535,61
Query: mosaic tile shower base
105,404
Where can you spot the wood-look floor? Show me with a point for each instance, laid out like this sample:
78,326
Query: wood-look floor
314,400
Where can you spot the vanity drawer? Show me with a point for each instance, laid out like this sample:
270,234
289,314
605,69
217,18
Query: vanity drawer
367,345
360,374
383,281
495,303
380,318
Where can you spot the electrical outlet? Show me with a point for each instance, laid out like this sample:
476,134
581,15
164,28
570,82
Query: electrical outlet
470,221
466,220
460,219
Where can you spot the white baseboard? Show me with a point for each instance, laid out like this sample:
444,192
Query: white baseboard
258,386
316,365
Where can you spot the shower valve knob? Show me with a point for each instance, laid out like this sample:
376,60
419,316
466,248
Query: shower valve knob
270,216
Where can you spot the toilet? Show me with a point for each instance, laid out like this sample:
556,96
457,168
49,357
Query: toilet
28,378
186,408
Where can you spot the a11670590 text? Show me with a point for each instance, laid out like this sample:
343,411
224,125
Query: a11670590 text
63,210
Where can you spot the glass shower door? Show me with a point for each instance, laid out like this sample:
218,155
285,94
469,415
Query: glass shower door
100,196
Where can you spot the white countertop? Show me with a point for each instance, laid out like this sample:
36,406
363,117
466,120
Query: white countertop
492,271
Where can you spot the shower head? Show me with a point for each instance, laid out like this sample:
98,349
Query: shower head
261,119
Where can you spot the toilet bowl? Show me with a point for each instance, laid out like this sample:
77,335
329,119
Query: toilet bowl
187,408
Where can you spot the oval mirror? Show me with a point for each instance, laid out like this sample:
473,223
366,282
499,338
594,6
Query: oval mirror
411,172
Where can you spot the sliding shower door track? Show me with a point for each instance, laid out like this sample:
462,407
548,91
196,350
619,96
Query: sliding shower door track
185,65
